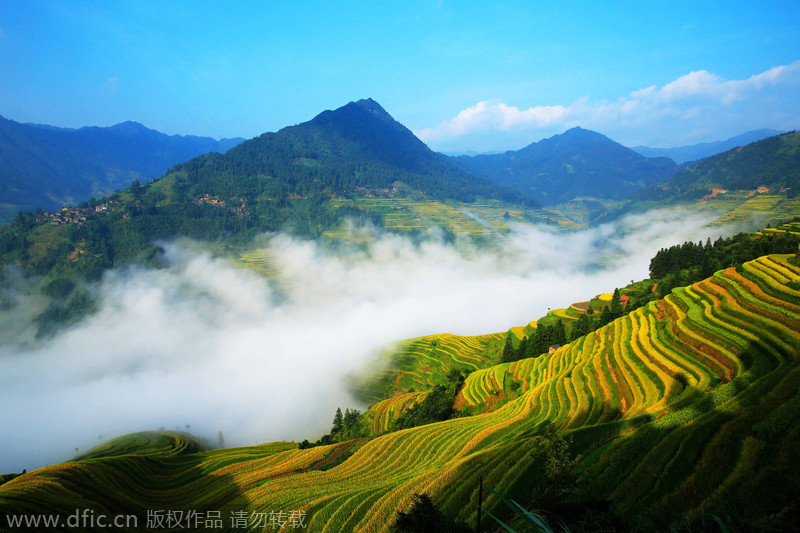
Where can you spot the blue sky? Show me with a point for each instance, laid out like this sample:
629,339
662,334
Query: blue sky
462,75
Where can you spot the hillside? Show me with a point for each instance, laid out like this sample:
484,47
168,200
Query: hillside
47,168
683,407
352,163
773,162
577,163
357,150
695,152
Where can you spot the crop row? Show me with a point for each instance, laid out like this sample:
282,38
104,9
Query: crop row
677,370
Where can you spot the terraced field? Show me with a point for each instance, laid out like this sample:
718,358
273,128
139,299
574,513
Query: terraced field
683,403
757,205
261,261
475,220
789,227
147,444
421,363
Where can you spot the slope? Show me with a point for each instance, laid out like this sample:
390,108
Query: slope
672,409
773,162
357,150
45,167
577,163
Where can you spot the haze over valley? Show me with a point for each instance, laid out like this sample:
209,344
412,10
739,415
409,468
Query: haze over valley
419,267
213,343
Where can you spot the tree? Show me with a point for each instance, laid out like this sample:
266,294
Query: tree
338,421
616,306
559,334
551,451
424,517
580,328
509,354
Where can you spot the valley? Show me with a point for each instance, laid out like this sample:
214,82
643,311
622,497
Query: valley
486,339
665,410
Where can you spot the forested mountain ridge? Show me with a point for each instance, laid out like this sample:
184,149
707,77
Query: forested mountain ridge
351,150
46,167
577,163
773,162
285,180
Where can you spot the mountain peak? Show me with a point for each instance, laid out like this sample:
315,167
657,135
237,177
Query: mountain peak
578,132
576,163
129,126
367,106
371,106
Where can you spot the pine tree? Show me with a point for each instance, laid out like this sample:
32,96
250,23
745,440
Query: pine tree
559,334
338,421
616,306
509,354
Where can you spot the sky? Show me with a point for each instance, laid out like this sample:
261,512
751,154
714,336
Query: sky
462,75
206,346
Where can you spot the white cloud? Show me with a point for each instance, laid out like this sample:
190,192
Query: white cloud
205,343
698,103
495,115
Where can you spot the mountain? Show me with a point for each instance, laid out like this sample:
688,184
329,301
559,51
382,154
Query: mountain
773,162
304,179
357,149
576,163
694,152
47,167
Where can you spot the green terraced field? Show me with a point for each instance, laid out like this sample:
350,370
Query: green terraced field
487,219
147,444
684,403
421,363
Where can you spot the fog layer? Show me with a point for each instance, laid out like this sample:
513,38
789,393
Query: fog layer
205,345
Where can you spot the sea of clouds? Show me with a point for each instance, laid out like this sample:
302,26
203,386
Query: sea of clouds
205,345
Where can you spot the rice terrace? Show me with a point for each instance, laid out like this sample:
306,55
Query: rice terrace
422,266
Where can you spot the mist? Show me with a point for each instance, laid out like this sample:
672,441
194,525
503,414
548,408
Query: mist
205,345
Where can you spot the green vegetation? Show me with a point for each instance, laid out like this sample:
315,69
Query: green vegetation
576,164
669,402
773,162
306,179
424,517
50,168
680,411
685,264
147,444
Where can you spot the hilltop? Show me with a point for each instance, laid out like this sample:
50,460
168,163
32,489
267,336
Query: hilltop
576,163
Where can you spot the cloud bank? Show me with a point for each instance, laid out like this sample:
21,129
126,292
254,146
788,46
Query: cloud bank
208,346
697,107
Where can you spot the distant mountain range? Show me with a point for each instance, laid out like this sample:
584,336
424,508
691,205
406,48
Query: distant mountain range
48,167
576,163
357,149
694,152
